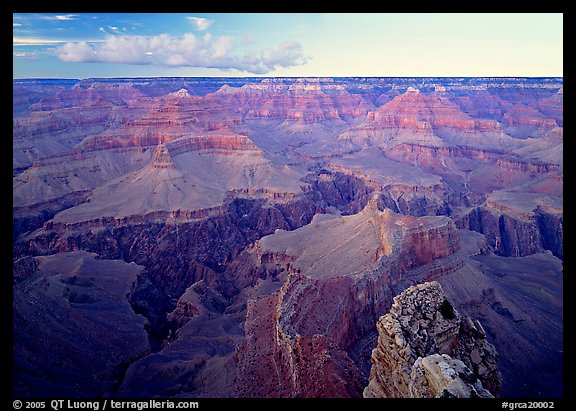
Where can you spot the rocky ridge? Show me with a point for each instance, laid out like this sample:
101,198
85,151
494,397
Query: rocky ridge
427,349
286,322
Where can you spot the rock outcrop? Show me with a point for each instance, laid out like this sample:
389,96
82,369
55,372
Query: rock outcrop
427,349
528,336
518,224
309,336
440,376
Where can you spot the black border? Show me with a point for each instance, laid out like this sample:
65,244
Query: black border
57,6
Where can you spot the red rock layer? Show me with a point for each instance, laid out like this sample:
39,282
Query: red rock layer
300,102
553,107
525,121
298,339
274,364
420,112
480,104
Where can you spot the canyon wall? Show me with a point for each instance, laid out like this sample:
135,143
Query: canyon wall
260,227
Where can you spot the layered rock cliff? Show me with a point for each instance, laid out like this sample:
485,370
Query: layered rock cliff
427,119
518,224
303,101
185,176
310,335
427,349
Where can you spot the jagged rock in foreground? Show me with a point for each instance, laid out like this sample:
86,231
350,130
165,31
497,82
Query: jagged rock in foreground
427,349
442,376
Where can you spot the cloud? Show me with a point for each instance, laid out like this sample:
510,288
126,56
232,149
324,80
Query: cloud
61,17
200,23
35,41
39,41
189,50
32,56
76,52
248,39
67,17
283,55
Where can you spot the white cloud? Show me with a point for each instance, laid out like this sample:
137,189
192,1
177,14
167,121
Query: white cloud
16,24
35,41
67,17
76,52
284,54
189,50
39,41
27,55
61,17
200,23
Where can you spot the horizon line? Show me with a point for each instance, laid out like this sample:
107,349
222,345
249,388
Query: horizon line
280,77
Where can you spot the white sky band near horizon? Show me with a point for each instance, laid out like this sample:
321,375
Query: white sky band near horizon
334,45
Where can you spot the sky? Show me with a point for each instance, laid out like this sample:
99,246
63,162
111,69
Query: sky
82,45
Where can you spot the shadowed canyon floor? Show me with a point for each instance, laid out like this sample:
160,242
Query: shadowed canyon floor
252,237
